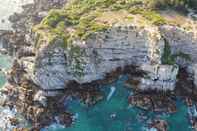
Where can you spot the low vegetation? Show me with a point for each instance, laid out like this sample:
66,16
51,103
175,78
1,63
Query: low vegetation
80,16
78,20
169,58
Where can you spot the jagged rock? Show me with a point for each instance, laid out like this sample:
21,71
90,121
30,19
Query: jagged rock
41,98
154,102
101,54
160,125
25,97
159,77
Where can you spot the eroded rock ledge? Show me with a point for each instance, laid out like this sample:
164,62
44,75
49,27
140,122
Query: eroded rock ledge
153,55
103,53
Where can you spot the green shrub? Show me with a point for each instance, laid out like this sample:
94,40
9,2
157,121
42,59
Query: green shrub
169,58
53,18
152,16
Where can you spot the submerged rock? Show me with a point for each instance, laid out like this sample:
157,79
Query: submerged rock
155,102
159,125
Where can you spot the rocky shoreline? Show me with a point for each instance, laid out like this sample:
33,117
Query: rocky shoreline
158,101
41,105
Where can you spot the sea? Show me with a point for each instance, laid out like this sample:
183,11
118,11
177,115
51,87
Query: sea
111,114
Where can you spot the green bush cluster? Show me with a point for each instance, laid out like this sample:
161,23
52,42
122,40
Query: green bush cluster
81,14
53,18
170,59
150,15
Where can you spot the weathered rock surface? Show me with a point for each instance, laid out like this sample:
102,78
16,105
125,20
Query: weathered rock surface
45,71
159,76
35,105
103,53
155,102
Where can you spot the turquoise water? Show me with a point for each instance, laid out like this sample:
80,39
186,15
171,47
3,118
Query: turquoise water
127,118
5,63
98,117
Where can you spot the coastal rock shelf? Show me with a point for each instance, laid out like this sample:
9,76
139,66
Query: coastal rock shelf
101,54
65,49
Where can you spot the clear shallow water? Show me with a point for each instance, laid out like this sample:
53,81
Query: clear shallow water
5,63
127,118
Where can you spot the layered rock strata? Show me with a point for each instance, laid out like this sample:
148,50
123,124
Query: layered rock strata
102,53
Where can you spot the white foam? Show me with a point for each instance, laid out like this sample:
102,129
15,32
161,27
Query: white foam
112,90
9,7
6,114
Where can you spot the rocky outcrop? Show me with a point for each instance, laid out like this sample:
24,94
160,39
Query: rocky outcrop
159,76
36,106
51,69
18,41
156,102
184,41
40,107
91,60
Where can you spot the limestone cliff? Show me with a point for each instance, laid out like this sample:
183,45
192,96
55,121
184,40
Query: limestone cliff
71,49
86,48
102,53
85,45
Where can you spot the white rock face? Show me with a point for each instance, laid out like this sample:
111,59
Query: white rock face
100,54
41,98
117,47
50,68
195,73
183,41
159,77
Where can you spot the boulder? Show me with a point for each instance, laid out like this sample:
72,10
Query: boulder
41,98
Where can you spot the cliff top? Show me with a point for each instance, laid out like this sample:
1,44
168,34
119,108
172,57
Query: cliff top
81,18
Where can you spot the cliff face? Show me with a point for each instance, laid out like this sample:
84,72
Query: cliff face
102,53
130,37
183,41
84,45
